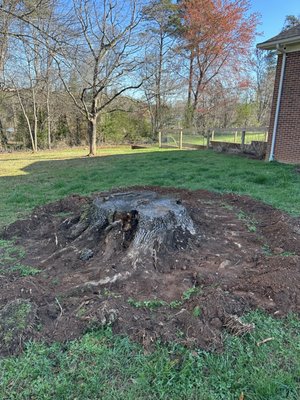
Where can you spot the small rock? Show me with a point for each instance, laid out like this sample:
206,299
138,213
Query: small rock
224,264
278,250
216,323
108,317
296,230
112,316
53,311
86,254
204,278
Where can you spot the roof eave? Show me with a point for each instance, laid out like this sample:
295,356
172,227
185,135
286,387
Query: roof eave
281,42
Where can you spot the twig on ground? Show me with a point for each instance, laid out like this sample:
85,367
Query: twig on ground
60,307
264,341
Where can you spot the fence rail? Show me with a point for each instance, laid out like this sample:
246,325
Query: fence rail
184,138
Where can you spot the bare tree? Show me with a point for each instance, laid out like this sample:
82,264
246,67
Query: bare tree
28,69
7,10
159,16
46,51
263,65
105,55
26,83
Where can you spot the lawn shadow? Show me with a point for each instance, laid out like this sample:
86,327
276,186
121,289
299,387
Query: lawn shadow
47,180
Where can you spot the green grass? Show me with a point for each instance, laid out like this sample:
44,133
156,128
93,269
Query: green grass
10,260
28,180
10,252
156,303
190,293
250,222
24,270
102,366
107,367
151,304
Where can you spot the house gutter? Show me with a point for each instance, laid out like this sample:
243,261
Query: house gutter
271,45
283,52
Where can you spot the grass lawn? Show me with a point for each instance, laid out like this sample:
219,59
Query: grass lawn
27,180
102,366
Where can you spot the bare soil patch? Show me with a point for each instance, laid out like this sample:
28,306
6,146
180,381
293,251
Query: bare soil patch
238,255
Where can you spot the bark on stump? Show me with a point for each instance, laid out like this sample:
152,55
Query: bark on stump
144,226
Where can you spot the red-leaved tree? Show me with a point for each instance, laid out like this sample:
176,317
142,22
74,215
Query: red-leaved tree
217,35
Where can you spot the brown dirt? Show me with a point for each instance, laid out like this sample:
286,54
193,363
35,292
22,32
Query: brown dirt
245,255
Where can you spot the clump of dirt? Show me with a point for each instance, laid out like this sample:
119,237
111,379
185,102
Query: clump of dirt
154,263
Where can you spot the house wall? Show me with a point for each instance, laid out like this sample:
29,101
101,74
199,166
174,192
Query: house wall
287,146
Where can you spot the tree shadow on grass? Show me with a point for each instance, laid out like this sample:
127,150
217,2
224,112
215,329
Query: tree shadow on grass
48,180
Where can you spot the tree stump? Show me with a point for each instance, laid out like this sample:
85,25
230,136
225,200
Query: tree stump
141,227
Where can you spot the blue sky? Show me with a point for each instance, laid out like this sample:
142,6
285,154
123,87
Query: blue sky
273,14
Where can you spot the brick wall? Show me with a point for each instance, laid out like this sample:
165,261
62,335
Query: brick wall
287,146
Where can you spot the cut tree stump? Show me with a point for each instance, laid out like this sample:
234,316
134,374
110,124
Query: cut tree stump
143,226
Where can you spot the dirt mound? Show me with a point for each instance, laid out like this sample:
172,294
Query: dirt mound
225,256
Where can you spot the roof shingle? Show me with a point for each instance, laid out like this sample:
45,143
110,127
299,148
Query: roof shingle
291,35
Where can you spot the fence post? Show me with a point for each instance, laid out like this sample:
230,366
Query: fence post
159,139
243,139
212,135
180,140
235,136
208,139
266,135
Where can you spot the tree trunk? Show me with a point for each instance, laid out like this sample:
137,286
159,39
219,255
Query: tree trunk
189,111
35,126
191,72
3,138
48,117
27,121
158,86
6,20
92,134
48,94
78,131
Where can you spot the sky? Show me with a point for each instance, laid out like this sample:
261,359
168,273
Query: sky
273,13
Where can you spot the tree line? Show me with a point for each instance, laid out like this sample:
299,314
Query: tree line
111,71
